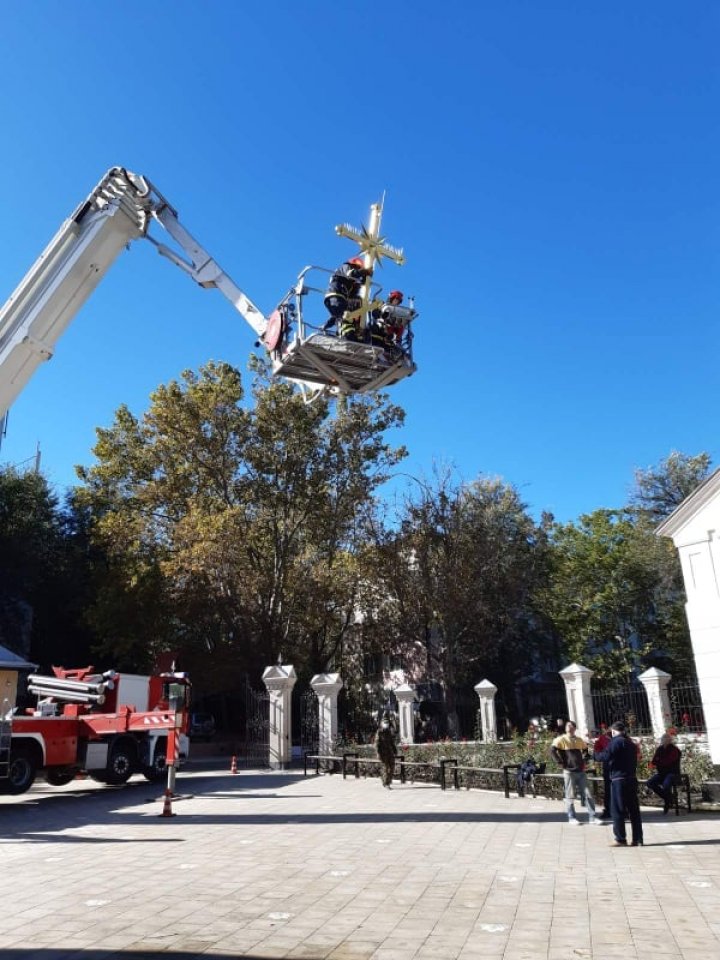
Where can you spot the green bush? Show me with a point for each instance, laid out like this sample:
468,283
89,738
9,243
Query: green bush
536,744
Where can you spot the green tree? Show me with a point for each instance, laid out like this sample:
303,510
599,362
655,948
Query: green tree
607,594
44,576
659,489
235,528
460,575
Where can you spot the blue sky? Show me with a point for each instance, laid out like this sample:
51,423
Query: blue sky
551,170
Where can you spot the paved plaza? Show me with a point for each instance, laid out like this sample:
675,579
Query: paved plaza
277,865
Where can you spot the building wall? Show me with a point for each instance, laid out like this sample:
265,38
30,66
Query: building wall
695,533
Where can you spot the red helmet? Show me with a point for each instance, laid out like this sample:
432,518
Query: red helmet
396,295
357,261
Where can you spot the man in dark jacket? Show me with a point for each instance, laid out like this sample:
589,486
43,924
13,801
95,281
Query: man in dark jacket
666,761
621,758
602,742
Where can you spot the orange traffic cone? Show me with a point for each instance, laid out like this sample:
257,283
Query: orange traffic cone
167,805
233,765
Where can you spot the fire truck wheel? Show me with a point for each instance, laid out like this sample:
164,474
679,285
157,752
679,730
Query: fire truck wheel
21,773
157,770
59,777
121,764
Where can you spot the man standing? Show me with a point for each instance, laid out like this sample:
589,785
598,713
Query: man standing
621,758
570,752
602,742
386,750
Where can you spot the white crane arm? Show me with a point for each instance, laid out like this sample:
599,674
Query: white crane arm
120,209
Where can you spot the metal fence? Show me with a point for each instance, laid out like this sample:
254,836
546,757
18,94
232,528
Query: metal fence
686,707
309,721
541,702
629,704
359,713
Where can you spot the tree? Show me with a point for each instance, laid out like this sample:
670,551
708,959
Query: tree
461,571
660,489
237,529
43,574
608,593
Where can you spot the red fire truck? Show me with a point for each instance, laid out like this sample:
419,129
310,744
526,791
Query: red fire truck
108,725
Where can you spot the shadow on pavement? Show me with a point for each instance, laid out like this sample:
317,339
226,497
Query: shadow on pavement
47,837
57,953
44,814
684,843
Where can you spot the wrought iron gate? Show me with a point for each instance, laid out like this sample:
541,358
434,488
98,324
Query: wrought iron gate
256,751
309,722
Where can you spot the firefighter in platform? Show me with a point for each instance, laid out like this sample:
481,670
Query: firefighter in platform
343,296
388,326
386,749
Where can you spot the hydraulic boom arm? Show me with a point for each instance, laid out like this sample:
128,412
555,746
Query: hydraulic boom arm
120,209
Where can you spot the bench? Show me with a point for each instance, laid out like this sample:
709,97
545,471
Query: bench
449,765
353,762
681,784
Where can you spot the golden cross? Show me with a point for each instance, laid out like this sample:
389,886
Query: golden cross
373,248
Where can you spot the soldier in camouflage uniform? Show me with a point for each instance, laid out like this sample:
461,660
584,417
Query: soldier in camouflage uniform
386,750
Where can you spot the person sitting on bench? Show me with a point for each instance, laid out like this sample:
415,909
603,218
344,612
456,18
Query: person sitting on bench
666,761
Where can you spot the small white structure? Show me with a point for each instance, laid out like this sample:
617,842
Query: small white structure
486,692
406,696
279,682
695,527
327,686
656,687
579,699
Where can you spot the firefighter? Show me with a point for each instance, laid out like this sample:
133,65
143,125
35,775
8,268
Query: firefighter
386,749
386,330
343,295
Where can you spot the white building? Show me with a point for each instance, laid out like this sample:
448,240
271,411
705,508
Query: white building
695,527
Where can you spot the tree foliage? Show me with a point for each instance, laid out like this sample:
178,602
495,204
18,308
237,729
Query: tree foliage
234,528
611,594
660,489
44,574
461,571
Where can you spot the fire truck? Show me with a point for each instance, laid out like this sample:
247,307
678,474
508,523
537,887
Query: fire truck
108,726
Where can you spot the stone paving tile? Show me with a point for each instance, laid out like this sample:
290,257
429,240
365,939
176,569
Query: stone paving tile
273,865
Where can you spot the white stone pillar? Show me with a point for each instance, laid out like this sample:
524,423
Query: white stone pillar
656,687
579,699
405,695
279,682
486,692
327,686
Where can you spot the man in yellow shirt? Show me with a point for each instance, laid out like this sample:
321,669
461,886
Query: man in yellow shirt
570,751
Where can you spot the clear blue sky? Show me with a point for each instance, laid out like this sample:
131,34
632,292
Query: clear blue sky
551,170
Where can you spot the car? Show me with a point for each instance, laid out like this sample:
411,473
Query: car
202,726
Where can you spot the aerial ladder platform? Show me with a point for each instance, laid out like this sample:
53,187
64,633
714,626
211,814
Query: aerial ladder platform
126,206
